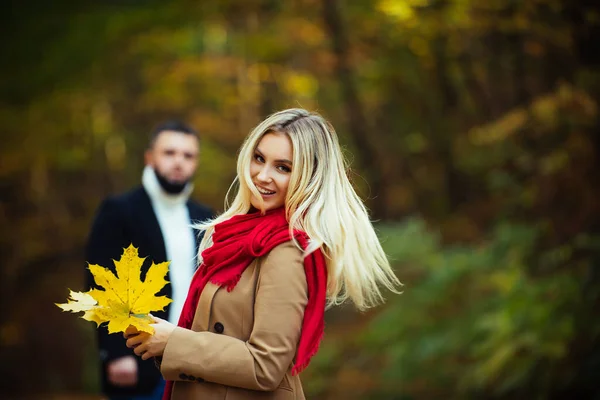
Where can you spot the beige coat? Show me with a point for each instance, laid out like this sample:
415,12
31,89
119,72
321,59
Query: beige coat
242,343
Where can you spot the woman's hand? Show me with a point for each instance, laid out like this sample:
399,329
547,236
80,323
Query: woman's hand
146,345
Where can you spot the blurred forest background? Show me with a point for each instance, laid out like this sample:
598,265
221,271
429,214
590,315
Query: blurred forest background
473,133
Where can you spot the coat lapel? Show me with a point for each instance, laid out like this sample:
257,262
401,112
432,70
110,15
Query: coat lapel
148,222
202,316
197,214
193,219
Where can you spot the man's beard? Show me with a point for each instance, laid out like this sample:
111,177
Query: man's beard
169,187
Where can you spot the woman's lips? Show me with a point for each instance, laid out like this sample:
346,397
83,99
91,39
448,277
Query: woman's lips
265,192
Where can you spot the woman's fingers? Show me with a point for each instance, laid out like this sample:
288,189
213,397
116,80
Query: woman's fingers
143,350
130,331
140,349
135,340
144,344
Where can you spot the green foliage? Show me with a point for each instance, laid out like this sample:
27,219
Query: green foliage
473,322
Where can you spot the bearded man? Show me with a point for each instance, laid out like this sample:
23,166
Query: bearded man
156,217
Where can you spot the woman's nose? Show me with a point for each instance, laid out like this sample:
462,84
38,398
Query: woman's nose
264,175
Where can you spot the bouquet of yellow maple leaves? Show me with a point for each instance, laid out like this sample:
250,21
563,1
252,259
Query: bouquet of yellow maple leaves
126,299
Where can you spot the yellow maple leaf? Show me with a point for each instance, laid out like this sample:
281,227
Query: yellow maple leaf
124,299
80,301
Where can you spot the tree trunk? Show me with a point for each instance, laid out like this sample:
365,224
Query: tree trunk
368,156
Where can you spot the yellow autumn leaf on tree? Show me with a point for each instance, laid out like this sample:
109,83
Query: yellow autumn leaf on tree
124,299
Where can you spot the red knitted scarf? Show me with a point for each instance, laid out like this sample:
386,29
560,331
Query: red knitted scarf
236,243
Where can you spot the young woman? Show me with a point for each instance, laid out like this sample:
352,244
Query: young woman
295,239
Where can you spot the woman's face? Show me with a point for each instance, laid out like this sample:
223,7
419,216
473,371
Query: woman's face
271,169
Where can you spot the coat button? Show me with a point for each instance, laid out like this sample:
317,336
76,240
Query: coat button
219,328
199,380
184,376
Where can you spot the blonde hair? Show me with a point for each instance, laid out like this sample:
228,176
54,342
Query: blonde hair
321,202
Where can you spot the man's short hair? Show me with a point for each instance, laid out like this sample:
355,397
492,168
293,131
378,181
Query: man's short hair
172,125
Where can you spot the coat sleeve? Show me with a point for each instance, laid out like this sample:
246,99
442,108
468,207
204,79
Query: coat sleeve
261,362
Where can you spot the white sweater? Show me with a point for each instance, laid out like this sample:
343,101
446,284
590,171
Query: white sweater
174,220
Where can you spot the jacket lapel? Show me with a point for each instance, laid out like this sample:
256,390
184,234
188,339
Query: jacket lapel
148,222
202,316
196,215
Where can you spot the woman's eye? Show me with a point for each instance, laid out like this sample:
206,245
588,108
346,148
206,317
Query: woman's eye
284,168
259,158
